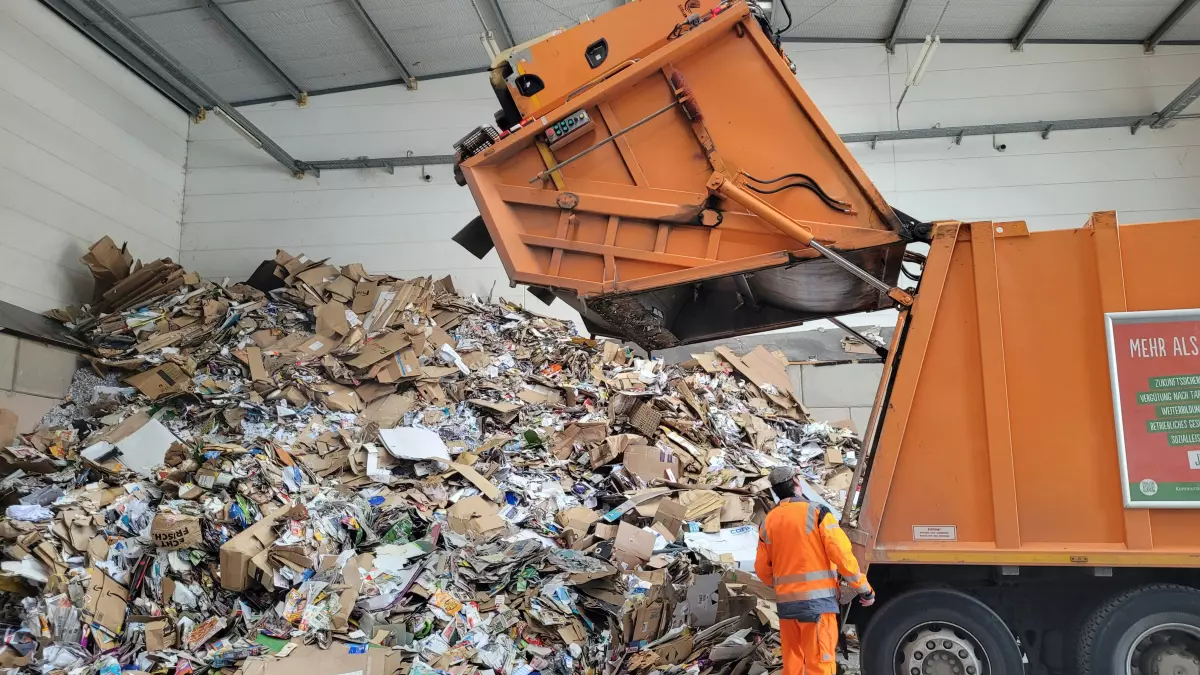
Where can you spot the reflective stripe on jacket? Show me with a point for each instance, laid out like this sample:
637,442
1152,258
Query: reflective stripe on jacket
801,558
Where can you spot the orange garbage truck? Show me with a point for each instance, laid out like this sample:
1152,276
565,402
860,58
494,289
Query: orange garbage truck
1026,500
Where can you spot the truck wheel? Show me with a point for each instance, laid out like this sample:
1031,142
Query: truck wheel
935,631
1144,631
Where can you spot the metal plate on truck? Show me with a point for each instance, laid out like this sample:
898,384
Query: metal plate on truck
1154,364
935,533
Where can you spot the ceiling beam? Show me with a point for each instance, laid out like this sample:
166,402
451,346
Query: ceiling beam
1043,128
219,15
138,38
191,104
1157,36
990,129
900,15
1172,109
384,46
1030,24
505,29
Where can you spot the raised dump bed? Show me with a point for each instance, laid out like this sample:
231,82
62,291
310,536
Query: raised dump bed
695,221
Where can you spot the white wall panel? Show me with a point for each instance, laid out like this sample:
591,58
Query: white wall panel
87,149
241,206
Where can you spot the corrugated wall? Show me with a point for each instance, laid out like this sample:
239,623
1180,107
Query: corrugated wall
86,149
241,206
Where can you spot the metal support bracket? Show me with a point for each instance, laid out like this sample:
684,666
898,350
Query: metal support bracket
1036,16
958,138
1175,17
192,104
1171,110
894,34
143,42
384,45
232,30
1046,133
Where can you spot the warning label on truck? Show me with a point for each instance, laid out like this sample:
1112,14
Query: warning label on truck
935,533
1154,360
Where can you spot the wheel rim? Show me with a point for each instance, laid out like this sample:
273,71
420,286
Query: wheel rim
1165,649
939,648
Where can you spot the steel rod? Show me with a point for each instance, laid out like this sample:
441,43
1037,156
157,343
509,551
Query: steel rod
850,267
602,142
881,351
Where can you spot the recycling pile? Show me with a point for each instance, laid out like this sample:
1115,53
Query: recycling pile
337,472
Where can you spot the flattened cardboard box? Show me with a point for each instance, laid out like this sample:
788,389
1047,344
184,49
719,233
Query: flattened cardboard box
236,553
161,381
105,600
633,545
649,463
340,659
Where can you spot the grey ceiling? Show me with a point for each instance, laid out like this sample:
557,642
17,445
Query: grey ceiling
324,45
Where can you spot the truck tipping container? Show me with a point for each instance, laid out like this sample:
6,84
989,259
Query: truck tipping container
661,170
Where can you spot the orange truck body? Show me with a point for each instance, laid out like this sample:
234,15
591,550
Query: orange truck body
994,425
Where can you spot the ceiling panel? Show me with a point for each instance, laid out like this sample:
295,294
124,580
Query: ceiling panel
203,47
319,44
431,36
851,19
967,19
532,18
1102,19
132,9
323,44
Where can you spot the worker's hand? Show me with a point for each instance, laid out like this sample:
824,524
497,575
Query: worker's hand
867,599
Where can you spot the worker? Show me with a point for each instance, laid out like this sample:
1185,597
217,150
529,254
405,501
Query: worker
801,552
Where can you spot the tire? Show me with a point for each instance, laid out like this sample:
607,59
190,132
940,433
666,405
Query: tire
1110,632
916,610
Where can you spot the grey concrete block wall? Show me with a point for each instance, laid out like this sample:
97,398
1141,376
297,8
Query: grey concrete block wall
837,392
861,417
845,385
34,377
43,370
8,360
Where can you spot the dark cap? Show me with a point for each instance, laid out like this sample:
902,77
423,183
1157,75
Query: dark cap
781,474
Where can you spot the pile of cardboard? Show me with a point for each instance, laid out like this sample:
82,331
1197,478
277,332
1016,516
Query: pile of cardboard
326,469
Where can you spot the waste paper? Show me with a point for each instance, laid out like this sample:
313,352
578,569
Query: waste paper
329,471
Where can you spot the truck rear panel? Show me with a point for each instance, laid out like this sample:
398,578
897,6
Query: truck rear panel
626,232
997,443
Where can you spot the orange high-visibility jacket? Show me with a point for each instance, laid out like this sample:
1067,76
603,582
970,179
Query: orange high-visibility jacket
799,546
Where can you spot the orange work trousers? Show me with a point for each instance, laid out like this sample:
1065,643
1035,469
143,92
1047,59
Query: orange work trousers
808,648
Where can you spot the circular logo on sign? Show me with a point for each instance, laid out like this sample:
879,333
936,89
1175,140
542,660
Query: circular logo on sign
1148,487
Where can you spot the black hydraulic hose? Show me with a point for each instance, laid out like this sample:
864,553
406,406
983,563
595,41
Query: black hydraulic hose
831,203
783,4
809,183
